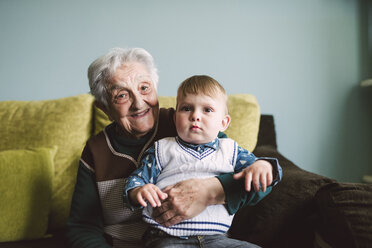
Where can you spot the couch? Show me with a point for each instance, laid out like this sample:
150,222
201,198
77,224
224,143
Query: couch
41,142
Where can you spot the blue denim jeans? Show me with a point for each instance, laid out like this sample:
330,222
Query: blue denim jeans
154,238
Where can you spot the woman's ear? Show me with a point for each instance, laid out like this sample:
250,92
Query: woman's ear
225,123
104,109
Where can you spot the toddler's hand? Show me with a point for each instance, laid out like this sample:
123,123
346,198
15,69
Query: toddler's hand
260,172
150,193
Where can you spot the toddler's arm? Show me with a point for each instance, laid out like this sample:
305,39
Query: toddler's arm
146,174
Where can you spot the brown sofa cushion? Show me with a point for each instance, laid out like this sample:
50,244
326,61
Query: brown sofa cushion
345,210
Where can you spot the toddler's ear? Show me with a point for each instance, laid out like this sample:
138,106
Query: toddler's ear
174,117
225,122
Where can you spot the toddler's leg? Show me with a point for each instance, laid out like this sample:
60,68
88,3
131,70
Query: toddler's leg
154,238
222,241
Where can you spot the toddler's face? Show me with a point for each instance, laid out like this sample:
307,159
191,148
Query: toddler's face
199,118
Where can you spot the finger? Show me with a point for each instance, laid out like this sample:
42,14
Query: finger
166,189
248,181
263,182
161,195
269,178
150,200
157,212
157,195
238,175
156,198
151,196
173,221
256,182
141,201
165,217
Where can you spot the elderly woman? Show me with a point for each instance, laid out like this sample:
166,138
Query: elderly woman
124,84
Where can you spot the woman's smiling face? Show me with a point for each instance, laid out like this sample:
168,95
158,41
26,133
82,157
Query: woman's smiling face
133,100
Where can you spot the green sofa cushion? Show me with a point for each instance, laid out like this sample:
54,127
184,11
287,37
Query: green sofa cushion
243,109
26,178
65,123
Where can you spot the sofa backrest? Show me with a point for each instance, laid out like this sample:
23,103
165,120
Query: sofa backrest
67,123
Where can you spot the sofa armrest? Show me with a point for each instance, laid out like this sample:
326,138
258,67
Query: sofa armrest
345,211
287,216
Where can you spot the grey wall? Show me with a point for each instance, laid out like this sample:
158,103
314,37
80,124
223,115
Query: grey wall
302,59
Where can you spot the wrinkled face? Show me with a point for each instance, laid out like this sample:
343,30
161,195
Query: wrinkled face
133,100
199,118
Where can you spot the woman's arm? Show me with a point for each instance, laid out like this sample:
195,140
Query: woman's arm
84,227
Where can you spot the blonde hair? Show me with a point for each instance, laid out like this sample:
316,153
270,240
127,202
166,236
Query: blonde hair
202,84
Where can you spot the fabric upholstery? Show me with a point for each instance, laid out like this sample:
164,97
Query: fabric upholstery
65,123
26,178
345,214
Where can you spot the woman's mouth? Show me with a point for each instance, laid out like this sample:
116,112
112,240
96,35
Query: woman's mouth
140,114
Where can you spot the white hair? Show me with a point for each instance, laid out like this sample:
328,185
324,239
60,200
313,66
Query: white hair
101,71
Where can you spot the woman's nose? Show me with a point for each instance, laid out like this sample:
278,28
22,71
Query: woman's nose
137,101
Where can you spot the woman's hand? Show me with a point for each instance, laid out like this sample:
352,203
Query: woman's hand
187,199
258,173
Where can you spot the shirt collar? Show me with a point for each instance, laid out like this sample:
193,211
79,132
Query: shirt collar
213,144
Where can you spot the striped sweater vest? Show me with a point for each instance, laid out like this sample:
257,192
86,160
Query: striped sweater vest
177,163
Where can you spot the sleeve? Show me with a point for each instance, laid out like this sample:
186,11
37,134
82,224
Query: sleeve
148,172
235,194
84,228
244,159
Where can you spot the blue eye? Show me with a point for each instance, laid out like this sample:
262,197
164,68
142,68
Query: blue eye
208,110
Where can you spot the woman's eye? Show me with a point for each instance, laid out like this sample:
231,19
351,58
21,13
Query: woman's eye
144,88
121,97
